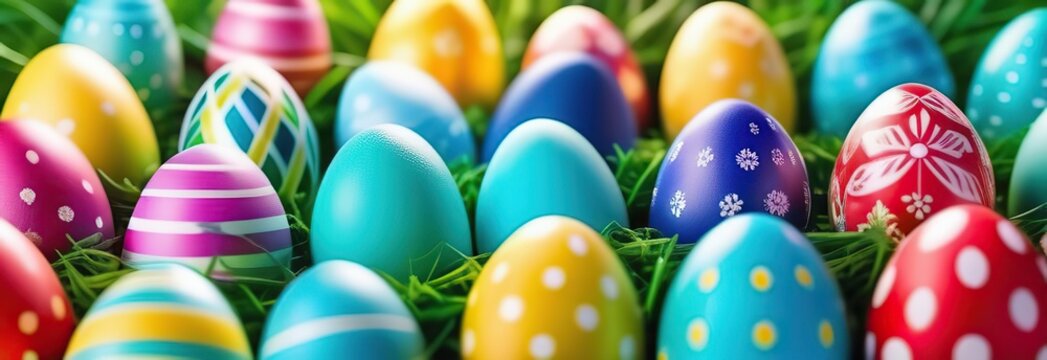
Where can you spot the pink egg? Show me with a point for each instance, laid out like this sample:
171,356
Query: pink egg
48,188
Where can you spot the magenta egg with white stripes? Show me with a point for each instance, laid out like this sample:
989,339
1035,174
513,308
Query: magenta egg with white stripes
210,204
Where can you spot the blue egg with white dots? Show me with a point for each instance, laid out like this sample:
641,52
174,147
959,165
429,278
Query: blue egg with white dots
754,287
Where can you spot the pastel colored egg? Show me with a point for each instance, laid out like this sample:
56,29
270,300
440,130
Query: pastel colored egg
1026,192
724,50
339,307
554,290
1009,86
387,92
573,88
910,155
969,261
35,317
163,311
210,204
290,36
455,41
581,28
753,287
138,37
389,202
733,158
85,98
248,106
545,168
872,47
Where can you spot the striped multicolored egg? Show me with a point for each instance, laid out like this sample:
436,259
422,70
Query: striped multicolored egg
163,311
48,189
210,204
249,106
288,35
336,308
138,36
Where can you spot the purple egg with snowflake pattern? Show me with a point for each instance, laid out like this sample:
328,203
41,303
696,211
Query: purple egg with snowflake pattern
210,204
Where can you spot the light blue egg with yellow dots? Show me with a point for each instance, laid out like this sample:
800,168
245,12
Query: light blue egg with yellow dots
753,287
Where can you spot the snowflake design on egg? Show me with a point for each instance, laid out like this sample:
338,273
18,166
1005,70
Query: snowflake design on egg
776,203
730,205
747,159
705,156
677,203
918,205
792,157
770,124
675,151
777,157
753,128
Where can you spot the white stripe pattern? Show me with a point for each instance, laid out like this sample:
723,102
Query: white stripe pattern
208,193
203,167
255,9
241,227
312,62
319,328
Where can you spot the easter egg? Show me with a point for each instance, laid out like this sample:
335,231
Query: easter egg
163,311
554,290
573,88
210,204
85,98
965,283
872,47
1027,191
455,41
545,168
387,92
288,35
139,37
339,307
753,287
910,154
35,317
1009,86
388,202
724,50
732,158
249,106
581,28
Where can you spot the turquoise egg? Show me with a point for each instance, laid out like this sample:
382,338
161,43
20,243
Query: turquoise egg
339,307
544,167
873,46
1027,191
753,287
388,202
1009,87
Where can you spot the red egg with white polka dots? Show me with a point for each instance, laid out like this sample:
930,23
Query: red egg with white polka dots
48,188
965,284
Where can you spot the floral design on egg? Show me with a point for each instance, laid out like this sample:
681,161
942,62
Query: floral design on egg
747,159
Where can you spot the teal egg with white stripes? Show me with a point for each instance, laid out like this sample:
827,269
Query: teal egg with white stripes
340,308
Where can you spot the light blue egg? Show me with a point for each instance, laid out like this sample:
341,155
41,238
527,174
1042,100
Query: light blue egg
1027,190
339,308
544,167
753,287
387,92
873,46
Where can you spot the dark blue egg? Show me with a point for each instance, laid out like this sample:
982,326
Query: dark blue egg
575,89
731,158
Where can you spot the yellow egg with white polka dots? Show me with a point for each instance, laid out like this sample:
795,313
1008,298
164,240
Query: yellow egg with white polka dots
724,50
553,290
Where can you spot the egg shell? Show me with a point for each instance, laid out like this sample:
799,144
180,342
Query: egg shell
290,36
573,88
248,106
966,282
455,41
85,98
581,28
210,204
388,202
753,287
872,47
911,154
387,92
35,317
724,50
545,168
732,158
554,290
161,311
1026,191
138,37
1009,86
340,307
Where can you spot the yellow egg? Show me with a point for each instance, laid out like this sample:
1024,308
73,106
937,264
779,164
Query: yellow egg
554,289
86,98
455,41
724,50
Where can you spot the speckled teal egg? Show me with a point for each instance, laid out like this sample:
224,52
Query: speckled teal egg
1028,190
